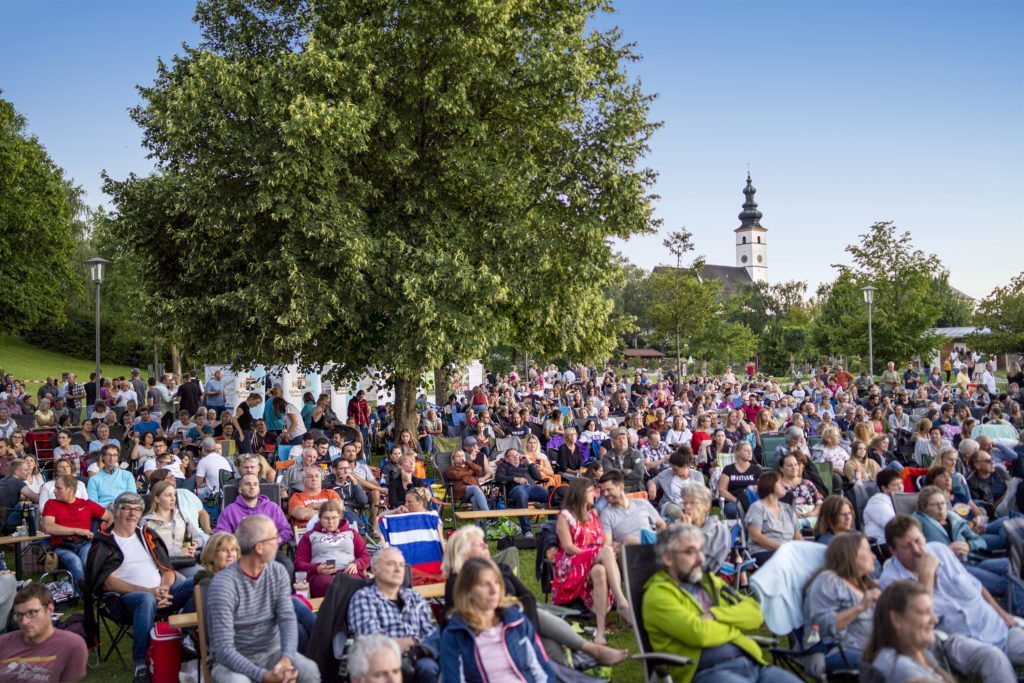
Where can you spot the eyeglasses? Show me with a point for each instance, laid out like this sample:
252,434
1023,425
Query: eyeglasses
269,540
131,509
27,614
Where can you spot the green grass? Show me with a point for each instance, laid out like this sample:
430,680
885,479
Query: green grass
34,365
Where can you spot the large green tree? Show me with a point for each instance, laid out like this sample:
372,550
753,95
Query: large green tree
37,229
391,184
782,317
1002,313
905,307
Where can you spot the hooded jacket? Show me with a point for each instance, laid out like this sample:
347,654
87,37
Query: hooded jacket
674,624
232,515
105,558
460,658
343,546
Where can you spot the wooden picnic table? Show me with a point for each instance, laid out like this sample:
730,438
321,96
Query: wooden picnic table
188,619
508,512
16,541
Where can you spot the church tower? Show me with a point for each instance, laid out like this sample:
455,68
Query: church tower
752,238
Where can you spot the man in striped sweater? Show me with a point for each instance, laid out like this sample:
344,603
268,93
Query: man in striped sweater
253,634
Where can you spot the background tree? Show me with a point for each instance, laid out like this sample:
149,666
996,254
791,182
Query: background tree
782,317
1002,312
687,303
905,308
957,307
390,184
37,240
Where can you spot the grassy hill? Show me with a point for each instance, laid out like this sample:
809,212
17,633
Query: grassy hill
33,364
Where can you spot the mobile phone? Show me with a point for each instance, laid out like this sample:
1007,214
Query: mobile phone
330,564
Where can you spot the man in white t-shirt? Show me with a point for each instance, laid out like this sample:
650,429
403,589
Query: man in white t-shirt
210,466
160,449
132,561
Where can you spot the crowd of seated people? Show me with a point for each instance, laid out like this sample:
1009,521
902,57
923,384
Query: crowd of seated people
134,500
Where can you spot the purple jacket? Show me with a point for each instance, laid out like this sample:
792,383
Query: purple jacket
232,515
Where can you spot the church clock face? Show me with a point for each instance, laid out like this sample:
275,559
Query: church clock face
759,259
743,259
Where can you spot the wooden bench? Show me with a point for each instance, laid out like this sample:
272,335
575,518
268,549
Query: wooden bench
464,515
188,619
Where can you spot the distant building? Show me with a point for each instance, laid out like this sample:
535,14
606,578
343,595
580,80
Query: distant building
751,250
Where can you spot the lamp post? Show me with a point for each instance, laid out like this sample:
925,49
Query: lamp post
97,266
869,298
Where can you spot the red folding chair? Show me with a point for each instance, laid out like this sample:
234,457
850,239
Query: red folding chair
40,442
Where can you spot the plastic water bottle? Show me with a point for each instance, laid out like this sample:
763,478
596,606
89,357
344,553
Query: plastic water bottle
813,638
301,586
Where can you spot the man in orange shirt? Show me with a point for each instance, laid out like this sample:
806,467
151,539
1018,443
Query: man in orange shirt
304,505
843,377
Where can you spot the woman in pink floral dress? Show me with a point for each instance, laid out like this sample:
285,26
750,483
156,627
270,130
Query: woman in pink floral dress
585,566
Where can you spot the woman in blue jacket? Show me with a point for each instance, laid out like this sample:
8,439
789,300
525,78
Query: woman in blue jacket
487,637
939,524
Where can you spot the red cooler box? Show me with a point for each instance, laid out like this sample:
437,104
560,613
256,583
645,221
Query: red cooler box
164,654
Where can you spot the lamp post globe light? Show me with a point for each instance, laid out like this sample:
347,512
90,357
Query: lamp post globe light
97,267
869,298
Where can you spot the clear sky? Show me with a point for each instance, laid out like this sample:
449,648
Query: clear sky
846,112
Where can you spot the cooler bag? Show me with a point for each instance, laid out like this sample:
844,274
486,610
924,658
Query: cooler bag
164,653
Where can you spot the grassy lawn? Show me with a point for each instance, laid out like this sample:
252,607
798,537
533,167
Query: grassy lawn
33,364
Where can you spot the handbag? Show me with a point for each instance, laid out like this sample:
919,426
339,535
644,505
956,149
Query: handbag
61,586
50,562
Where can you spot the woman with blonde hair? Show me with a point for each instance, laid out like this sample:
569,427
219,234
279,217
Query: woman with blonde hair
535,456
860,467
488,637
178,533
468,542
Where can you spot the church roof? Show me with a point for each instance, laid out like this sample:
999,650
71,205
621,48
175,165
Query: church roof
750,216
731,277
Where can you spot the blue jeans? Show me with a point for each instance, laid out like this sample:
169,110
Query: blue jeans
141,608
744,670
521,495
995,533
992,575
427,443
365,431
836,661
74,560
305,620
476,497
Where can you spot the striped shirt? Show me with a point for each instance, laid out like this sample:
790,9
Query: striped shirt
249,617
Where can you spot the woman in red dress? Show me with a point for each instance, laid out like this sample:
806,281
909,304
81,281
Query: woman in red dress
585,565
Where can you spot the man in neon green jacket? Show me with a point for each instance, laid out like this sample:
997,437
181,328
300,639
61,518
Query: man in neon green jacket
696,615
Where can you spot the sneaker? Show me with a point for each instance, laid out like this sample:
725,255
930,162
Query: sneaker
141,675
528,534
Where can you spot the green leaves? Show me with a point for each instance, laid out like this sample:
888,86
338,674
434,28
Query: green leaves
1002,312
37,229
905,308
395,184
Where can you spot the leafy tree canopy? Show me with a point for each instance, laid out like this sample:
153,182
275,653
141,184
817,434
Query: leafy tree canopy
389,183
905,306
1002,312
37,228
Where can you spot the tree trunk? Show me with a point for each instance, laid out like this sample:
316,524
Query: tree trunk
678,359
405,405
440,386
175,361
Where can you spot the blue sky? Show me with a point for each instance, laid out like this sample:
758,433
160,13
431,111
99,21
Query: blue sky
846,112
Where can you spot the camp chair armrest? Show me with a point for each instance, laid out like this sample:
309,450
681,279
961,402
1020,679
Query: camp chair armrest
559,611
764,641
675,660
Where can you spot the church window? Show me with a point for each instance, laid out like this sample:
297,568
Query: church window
759,240
744,240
